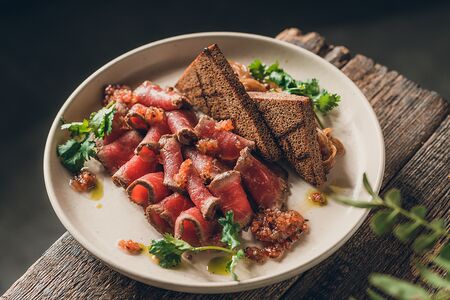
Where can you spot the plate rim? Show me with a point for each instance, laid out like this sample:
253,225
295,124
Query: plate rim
205,287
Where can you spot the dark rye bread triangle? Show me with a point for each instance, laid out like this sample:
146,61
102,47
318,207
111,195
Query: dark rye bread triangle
292,121
211,86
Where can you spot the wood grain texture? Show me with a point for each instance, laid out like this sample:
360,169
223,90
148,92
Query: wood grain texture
415,125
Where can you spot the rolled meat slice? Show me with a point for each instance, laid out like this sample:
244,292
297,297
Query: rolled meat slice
181,123
227,186
171,158
228,144
189,178
117,153
150,94
148,189
119,124
192,227
133,169
207,167
266,188
149,146
136,116
163,215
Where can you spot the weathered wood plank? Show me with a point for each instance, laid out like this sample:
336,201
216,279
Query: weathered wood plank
408,116
423,180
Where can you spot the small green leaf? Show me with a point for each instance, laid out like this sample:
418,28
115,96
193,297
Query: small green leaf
445,252
398,288
443,259
406,231
257,69
374,295
355,203
168,250
438,224
442,295
432,278
77,128
101,121
419,210
383,221
230,230
424,241
367,186
231,265
393,197
73,153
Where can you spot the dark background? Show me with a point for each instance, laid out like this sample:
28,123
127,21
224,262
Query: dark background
47,48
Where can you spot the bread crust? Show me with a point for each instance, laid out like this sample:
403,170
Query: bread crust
292,121
212,87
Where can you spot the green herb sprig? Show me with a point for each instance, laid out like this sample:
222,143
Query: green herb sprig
323,101
384,221
168,250
81,146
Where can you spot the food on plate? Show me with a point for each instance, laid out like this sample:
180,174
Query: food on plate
116,154
133,169
193,228
150,94
181,123
149,145
293,124
232,197
207,166
211,86
228,144
131,246
148,189
277,230
201,159
141,117
267,189
83,181
163,215
189,179
171,159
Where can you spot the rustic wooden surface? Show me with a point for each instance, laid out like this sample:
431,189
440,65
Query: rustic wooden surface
416,126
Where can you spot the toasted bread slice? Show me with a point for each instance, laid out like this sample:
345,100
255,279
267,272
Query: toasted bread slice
291,119
211,86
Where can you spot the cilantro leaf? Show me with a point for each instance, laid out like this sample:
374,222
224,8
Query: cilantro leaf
77,128
101,121
231,265
257,69
323,101
168,250
230,230
74,153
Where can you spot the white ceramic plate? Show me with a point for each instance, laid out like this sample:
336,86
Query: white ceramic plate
99,229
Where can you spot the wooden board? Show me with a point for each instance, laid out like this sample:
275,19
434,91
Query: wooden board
415,124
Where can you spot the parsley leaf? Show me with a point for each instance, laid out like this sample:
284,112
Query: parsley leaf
101,121
168,250
74,153
230,230
77,128
231,265
323,101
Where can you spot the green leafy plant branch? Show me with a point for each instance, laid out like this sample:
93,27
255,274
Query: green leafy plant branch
389,210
